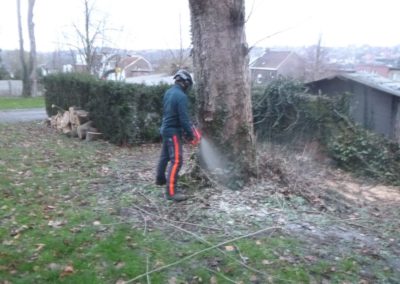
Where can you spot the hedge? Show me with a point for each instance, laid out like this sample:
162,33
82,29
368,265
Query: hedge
126,114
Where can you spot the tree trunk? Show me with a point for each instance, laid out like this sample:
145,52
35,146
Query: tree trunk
32,55
25,73
222,77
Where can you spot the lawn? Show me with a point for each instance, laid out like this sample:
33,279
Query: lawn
73,211
21,103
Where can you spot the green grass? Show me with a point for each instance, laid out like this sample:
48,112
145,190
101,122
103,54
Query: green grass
8,103
54,229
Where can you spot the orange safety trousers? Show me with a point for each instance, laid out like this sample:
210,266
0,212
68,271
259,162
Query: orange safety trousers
171,157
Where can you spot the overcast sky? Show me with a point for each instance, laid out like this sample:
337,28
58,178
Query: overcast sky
157,24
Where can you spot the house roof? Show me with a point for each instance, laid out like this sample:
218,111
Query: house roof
271,60
131,60
372,80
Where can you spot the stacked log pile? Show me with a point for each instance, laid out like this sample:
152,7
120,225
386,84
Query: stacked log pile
75,122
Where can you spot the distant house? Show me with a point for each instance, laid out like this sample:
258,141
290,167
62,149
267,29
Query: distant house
375,101
274,64
151,80
133,66
379,69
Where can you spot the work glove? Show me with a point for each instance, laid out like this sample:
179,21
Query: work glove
196,136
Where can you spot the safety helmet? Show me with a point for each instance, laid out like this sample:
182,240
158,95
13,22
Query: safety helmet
183,75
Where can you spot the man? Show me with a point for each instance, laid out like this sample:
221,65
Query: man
175,125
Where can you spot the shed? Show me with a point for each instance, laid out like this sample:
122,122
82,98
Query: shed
375,100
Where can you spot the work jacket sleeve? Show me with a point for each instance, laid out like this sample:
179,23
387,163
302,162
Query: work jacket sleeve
184,118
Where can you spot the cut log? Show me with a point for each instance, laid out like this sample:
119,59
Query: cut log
74,131
66,130
78,116
54,119
84,128
81,117
59,118
92,136
72,115
65,123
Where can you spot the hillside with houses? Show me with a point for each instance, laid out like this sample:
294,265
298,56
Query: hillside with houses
371,74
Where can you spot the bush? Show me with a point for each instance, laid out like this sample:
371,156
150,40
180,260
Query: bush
284,113
68,89
367,154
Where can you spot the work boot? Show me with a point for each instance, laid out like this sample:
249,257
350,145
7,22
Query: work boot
178,196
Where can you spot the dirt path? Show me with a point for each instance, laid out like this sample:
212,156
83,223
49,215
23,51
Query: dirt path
7,116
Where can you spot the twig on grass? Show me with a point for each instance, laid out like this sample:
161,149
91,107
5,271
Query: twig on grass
222,275
151,201
147,269
180,222
145,223
202,251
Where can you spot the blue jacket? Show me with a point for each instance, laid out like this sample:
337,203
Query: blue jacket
175,113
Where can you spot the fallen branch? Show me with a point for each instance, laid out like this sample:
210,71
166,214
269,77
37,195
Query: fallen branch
200,252
147,269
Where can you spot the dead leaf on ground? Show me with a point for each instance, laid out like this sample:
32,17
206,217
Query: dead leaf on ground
39,247
172,280
56,223
266,262
54,266
18,231
119,265
310,258
68,270
229,248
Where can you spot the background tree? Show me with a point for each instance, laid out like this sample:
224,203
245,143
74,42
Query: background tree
32,54
29,77
220,57
4,74
317,61
90,39
25,73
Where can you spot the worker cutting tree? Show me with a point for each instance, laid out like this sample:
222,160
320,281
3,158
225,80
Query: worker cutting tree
176,125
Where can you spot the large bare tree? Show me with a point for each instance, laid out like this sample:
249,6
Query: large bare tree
29,75
32,53
25,73
220,57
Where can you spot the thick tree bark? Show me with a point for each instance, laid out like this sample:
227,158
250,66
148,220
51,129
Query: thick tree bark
220,56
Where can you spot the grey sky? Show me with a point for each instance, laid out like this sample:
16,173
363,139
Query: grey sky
157,24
